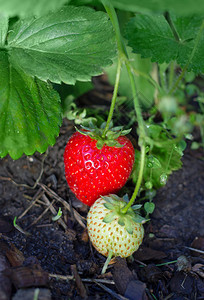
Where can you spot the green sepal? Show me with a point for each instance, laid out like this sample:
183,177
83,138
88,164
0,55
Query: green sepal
87,128
116,204
103,125
136,206
110,138
109,206
121,221
139,219
126,198
127,131
117,128
110,217
110,198
113,143
115,197
128,225
80,131
99,144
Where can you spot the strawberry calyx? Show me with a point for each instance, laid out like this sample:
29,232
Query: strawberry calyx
115,204
110,138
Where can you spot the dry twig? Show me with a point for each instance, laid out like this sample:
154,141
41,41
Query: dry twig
42,214
71,277
35,198
51,193
54,212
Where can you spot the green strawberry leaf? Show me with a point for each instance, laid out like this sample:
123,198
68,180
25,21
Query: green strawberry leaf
177,6
71,44
30,113
163,157
29,7
154,162
152,36
149,207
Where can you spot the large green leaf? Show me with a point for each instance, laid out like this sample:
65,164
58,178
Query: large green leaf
187,7
71,44
30,113
29,7
152,36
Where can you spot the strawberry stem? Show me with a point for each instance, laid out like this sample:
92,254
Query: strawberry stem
123,58
110,254
139,181
114,20
113,101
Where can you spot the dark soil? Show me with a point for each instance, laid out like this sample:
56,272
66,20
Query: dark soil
55,248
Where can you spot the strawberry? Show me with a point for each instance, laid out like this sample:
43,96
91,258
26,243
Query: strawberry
96,166
110,230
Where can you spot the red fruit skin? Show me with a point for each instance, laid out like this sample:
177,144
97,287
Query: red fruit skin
91,172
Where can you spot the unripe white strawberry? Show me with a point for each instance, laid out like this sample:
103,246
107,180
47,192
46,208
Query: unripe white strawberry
112,231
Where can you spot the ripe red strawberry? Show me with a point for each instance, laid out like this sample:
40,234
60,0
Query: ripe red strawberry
112,231
91,172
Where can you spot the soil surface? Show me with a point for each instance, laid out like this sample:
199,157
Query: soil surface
45,259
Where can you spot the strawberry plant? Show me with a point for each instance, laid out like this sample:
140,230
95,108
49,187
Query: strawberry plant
151,55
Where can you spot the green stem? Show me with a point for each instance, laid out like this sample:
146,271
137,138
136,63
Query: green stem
110,254
136,101
139,180
162,75
173,28
113,101
142,136
171,74
114,20
113,17
123,57
175,86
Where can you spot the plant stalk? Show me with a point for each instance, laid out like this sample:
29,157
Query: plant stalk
123,57
136,101
139,181
171,74
113,101
173,28
110,254
114,20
